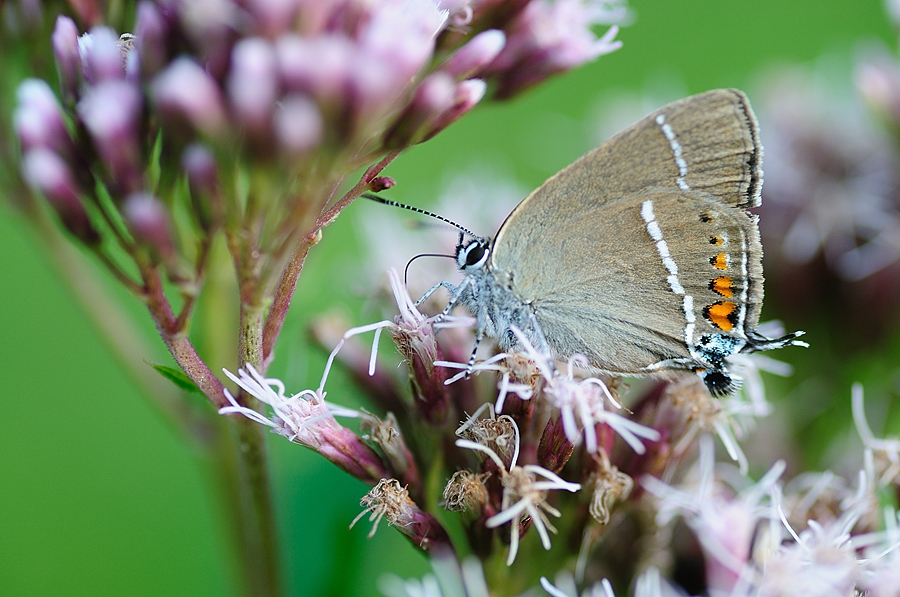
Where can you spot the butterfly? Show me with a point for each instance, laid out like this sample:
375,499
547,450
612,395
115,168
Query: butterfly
641,255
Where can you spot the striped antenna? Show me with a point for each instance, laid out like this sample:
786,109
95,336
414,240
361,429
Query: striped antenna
378,199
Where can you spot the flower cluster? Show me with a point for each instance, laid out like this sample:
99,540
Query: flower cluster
584,464
202,150
313,89
245,119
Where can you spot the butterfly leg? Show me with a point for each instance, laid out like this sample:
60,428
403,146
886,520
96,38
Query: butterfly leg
542,345
453,290
479,336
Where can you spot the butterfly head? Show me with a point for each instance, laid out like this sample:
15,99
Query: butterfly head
472,255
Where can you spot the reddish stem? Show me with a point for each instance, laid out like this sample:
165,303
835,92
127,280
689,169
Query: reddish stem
176,340
285,292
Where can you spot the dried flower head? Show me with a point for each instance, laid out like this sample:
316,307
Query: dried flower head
389,500
466,492
608,486
524,495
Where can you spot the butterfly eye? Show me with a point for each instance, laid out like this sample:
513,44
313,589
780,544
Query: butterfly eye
474,254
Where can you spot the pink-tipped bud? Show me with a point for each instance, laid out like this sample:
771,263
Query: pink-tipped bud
433,97
24,16
200,166
381,183
875,84
316,67
185,93
47,173
253,83
101,56
110,112
88,12
400,36
201,169
385,434
298,124
148,220
555,448
467,95
151,31
38,118
68,58
274,18
473,57
385,64
878,82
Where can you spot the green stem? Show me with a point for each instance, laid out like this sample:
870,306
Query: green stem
251,336
260,550
236,471
244,454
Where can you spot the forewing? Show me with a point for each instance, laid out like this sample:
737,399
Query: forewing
707,143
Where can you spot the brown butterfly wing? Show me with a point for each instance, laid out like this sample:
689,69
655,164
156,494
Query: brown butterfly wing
581,247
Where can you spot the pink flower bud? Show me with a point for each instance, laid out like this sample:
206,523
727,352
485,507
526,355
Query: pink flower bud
555,448
38,118
878,80
47,173
392,46
24,15
547,38
382,183
211,27
184,92
298,123
274,17
68,59
151,30
88,12
317,67
468,94
372,88
473,57
876,84
401,36
101,56
253,83
148,220
110,112
433,97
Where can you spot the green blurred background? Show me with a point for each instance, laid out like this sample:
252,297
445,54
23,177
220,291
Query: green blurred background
98,496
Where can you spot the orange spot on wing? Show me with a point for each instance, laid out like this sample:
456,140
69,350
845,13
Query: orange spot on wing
720,261
716,240
722,315
723,285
